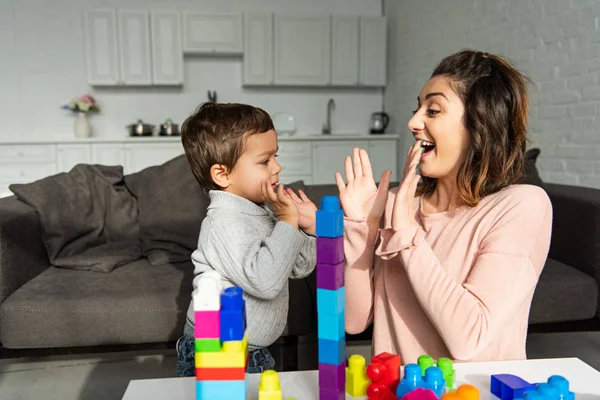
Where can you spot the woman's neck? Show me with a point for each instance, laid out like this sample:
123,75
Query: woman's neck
444,198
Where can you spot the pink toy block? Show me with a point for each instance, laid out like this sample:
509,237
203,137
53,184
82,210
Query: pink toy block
207,325
420,394
330,250
330,276
333,376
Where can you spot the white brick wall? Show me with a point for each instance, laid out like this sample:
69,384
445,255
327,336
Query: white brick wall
554,42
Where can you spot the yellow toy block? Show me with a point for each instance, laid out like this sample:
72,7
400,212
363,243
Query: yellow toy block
356,376
464,392
269,387
232,355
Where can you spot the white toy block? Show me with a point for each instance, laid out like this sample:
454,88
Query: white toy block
207,295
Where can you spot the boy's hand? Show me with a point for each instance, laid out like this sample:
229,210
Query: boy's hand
307,210
284,207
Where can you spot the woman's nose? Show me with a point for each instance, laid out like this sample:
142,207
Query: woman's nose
416,124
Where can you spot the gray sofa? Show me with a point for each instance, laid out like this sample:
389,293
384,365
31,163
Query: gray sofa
55,299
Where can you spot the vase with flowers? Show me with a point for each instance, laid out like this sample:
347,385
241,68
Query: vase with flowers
81,106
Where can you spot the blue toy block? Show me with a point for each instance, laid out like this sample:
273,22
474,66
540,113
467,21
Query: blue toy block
330,218
413,379
330,301
332,351
509,387
331,326
555,388
221,390
232,314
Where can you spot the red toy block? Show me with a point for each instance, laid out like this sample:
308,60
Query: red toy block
207,325
383,394
220,374
330,250
330,276
384,373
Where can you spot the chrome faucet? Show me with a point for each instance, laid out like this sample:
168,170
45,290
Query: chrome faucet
327,125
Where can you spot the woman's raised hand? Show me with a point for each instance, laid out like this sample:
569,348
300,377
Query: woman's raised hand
360,198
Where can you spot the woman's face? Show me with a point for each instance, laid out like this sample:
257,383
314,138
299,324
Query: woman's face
438,121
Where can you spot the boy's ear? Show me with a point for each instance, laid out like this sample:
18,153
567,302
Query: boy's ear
220,175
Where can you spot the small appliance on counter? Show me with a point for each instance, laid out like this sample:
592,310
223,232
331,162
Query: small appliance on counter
169,128
140,129
379,121
284,123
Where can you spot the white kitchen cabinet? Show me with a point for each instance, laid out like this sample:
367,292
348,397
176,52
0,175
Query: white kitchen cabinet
167,49
102,57
373,61
69,155
212,33
109,153
258,49
302,50
344,50
143,155
328,158
134,47
383,155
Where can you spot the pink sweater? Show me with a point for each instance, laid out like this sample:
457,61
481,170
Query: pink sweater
459,285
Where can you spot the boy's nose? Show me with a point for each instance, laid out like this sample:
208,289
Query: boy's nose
277,168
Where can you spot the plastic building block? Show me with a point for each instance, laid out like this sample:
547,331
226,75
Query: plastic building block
333,376
425,361
384,372
221,390
413,379
232,355
326,393
206,296
232,314
331,351
383,394
207,345
446,365
269,387
331,327
331,301
420,394
556,387
220,374
330,250
509,387
330,276
464,392
206,324
330,218
356,376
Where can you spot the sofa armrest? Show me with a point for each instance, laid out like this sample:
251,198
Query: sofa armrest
22,252
576,227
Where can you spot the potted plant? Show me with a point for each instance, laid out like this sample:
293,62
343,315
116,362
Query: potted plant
81,106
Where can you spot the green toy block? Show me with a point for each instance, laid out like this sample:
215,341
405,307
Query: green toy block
207,345
445,364
425,361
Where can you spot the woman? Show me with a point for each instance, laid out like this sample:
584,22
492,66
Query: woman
449,267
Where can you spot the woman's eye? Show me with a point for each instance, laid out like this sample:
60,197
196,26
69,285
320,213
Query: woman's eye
432,113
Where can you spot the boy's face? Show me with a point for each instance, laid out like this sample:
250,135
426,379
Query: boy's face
257,163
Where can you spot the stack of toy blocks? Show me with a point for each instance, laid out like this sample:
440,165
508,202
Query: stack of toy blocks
331,300
438,379
221,346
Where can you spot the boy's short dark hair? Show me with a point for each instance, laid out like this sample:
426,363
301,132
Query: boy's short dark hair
216,134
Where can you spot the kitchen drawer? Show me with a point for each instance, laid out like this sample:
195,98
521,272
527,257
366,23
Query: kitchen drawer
295,148
28,153
295,165
286,179
26,173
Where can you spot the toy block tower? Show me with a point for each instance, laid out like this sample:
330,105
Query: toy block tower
221,347
331,300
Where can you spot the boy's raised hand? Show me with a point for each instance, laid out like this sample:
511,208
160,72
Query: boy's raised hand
284,207
307,210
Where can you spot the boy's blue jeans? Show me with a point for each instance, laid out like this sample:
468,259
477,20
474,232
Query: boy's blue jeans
259,361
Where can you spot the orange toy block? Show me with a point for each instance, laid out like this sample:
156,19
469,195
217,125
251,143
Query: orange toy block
220,374
384,373
464,392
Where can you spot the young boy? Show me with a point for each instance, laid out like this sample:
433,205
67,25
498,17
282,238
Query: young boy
231,149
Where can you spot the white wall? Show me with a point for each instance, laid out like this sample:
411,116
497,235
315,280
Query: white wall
555,42
42,66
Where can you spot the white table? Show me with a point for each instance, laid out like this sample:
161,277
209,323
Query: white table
584,380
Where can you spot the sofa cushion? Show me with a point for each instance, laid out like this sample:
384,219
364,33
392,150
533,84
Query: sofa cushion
171,209
65,308
563,293
531,174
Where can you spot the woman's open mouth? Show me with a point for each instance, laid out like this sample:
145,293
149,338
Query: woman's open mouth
427,147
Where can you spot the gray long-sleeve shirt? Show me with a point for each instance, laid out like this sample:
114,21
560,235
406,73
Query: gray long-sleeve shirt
250,248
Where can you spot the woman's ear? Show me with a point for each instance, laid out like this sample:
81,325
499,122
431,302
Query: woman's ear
220,175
